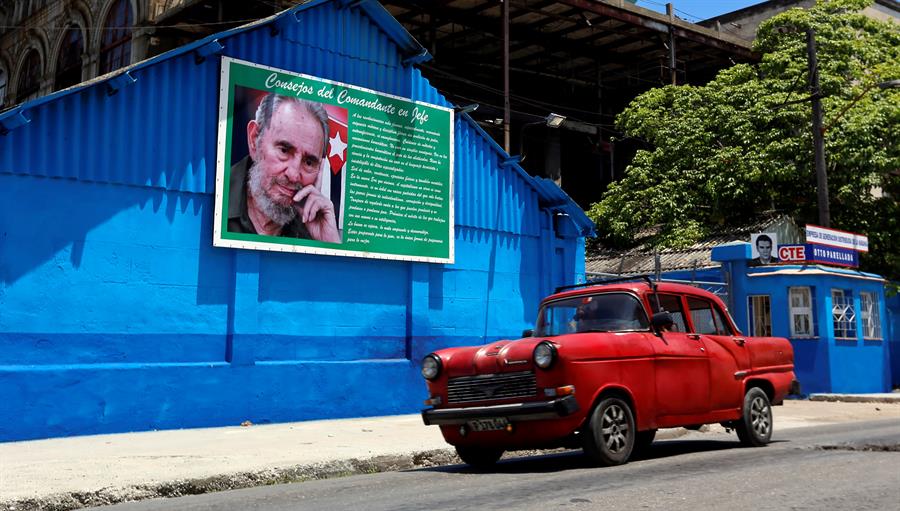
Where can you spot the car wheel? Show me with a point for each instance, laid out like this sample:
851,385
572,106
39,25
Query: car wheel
754,429
610,434
479,457
643,439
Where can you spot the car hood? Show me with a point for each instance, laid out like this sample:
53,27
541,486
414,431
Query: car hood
496,357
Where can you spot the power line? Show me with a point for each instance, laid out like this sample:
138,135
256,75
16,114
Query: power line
135,27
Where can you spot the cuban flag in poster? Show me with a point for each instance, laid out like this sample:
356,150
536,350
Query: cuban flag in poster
333,182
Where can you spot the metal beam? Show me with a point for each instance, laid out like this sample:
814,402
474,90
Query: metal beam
654,21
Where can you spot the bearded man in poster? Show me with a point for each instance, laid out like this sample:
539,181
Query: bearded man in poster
276,189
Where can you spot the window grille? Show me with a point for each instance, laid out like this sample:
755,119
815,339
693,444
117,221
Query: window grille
870,314
843,314
760,315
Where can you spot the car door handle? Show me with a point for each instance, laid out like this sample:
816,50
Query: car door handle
739,341
695,337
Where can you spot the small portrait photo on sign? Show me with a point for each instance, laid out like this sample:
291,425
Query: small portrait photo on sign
287,167
764,248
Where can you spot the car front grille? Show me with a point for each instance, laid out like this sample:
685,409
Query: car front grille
486,387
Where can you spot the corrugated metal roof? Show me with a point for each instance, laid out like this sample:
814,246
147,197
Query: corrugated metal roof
640,259
133,127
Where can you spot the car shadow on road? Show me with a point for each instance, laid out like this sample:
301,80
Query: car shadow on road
575,459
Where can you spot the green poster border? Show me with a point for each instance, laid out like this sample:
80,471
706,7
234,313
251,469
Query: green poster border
233,73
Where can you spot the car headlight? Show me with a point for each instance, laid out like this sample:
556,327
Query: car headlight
431,366
544,354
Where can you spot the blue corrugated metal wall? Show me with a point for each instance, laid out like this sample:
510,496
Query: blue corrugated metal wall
116,313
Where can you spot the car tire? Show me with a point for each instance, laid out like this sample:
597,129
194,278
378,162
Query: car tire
643,439
479,457
754,429
610,434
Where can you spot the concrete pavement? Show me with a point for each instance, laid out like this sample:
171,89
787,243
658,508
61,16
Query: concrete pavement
75,472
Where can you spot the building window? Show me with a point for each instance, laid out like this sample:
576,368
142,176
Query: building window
843,314
115,45
68,65
29,83
802,319
870,315
3,82
760,315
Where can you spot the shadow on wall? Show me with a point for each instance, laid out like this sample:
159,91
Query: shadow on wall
70,246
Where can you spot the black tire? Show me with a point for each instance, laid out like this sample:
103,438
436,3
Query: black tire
610,434
479,457
643,439
754,429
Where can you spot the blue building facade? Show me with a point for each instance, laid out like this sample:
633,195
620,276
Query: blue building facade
118,314
837,320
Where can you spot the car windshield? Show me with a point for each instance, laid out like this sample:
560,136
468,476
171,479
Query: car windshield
607,312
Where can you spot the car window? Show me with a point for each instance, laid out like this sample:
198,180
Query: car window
702,316
722,324
672,305
604,312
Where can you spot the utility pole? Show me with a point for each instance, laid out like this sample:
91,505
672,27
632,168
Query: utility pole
670,11
818,136
506,75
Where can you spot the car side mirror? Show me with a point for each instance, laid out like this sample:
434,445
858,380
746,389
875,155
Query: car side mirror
527,332
662,322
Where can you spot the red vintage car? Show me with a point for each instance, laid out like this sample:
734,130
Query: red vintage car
605,367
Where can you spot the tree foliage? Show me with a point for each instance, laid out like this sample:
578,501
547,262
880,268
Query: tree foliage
741,145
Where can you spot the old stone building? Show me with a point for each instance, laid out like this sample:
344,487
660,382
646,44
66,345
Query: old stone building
48,45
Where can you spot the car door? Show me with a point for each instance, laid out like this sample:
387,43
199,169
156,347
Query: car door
682,365
728,357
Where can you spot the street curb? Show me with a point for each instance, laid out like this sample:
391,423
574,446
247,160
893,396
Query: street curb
180,488
240,480
856,398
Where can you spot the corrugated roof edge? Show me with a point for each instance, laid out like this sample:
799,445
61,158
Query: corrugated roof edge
412,50
550,195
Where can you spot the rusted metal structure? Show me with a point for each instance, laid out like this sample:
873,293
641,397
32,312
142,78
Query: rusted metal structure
581,59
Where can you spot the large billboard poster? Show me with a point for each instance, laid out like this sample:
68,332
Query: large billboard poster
311,165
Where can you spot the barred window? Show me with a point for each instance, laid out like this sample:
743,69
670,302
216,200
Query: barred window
843,314
801,312
3,82
68,66
29,83
115,46
760,315
870,315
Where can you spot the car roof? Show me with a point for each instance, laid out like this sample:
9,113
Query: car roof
638,288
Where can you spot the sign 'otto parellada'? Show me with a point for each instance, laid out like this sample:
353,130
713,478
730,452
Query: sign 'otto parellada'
310,165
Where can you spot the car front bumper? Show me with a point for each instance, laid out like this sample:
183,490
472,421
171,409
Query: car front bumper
555,408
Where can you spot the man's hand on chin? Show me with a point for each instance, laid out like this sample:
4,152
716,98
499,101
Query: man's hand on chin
317,213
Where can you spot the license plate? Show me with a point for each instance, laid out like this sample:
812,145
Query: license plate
495,424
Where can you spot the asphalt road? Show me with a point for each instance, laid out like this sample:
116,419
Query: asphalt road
847,466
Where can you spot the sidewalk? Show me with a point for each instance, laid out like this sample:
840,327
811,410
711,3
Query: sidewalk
69,473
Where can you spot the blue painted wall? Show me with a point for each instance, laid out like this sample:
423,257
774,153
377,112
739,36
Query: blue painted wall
893,310
822,363
117,314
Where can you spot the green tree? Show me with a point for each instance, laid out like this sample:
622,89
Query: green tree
742,145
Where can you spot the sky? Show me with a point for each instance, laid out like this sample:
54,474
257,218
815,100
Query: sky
696,10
